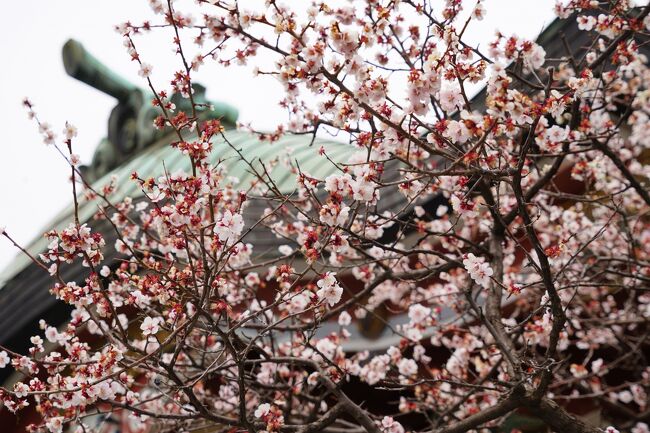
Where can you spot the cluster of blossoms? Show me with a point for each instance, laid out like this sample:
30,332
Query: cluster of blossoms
73,242
478,269
498,246
329,289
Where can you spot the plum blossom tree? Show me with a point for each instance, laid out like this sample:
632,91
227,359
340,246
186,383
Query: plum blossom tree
195,330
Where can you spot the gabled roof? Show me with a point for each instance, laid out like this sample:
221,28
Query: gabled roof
152,161
24,293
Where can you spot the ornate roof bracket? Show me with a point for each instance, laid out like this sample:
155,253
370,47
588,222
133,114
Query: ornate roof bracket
130,124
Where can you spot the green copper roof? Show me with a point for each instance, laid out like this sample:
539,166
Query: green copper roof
160,156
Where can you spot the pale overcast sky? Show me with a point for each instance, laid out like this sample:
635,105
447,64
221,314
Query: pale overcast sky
33,178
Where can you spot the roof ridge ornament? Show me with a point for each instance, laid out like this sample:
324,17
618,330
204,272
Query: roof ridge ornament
130,124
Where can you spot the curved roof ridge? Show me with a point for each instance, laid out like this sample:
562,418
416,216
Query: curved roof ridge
149,163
